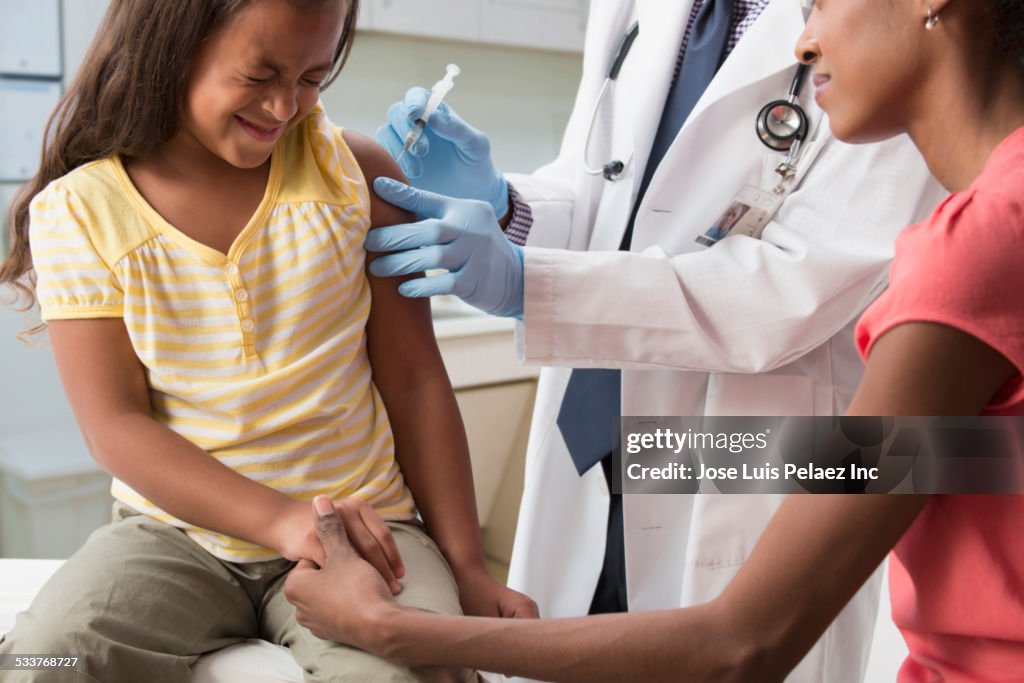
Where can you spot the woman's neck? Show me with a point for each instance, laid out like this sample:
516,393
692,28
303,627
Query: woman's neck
958,129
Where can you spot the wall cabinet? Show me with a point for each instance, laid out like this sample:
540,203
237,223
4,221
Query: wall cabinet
30,38
451,19
30,69
542,24
81,19
495,394
539,24
25,107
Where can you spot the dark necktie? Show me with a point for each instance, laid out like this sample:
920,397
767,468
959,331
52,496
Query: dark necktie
592,398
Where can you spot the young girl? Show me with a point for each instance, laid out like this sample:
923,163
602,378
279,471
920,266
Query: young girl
196,249
947,338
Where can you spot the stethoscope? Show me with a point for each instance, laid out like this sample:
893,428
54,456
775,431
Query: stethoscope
614,168
781,125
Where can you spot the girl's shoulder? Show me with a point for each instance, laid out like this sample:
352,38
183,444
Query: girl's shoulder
372,159
97,201
319,164
89,182
326,162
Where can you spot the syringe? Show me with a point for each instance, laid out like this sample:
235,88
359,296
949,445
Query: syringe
437,94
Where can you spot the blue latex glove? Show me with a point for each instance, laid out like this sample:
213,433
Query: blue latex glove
450,158
461,236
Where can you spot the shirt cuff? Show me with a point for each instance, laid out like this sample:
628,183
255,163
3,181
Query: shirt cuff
522,218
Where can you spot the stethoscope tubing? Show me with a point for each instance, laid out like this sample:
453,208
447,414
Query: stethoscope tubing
615,167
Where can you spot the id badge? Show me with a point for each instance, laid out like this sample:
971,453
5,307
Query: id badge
747,214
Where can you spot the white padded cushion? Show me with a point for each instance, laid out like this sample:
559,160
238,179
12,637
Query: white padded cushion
254,661
20,580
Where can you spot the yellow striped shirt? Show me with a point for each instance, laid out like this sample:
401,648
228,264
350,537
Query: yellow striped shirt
257,356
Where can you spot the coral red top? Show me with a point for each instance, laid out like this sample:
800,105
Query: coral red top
957,575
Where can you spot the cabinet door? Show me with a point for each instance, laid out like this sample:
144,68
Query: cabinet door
545,24
30,37
453,19
81,20
25,106
497,420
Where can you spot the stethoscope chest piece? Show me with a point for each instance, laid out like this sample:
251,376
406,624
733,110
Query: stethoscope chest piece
781,123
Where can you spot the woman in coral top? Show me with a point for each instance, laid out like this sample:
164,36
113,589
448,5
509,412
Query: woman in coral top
946,338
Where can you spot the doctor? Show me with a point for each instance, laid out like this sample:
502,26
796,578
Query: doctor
619,273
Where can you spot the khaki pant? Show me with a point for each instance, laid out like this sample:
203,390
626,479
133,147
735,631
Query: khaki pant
140,602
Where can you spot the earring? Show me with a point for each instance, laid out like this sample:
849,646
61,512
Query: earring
931,20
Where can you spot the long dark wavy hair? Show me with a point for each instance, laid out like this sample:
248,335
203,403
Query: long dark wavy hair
126,100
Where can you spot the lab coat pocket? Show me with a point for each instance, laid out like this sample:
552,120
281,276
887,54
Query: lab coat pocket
765,394
725,528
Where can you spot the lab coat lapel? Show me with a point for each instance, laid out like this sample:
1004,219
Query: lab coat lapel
765,52
757,56
662,25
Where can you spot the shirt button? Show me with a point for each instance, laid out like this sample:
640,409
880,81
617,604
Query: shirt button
248,325
231,268
241,295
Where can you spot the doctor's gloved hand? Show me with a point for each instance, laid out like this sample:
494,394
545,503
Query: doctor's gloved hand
450,158
459,235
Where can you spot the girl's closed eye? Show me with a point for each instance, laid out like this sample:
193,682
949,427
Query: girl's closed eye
258,80
311,80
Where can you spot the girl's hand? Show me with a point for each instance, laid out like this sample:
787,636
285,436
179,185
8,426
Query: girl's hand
297,538
294,537
344,599
483,596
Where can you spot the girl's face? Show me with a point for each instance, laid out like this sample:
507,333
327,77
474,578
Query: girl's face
258,76
868,57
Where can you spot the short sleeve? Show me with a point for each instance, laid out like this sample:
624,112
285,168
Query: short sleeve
72,280
334,158
962,268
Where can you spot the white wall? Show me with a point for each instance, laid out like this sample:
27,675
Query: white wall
520,97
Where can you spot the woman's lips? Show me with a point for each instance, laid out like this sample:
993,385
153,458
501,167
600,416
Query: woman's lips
820,83
259,132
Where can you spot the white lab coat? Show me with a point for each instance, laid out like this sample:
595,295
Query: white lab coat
748,327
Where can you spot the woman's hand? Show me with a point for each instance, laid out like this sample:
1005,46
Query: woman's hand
482,596
345,599
296,537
